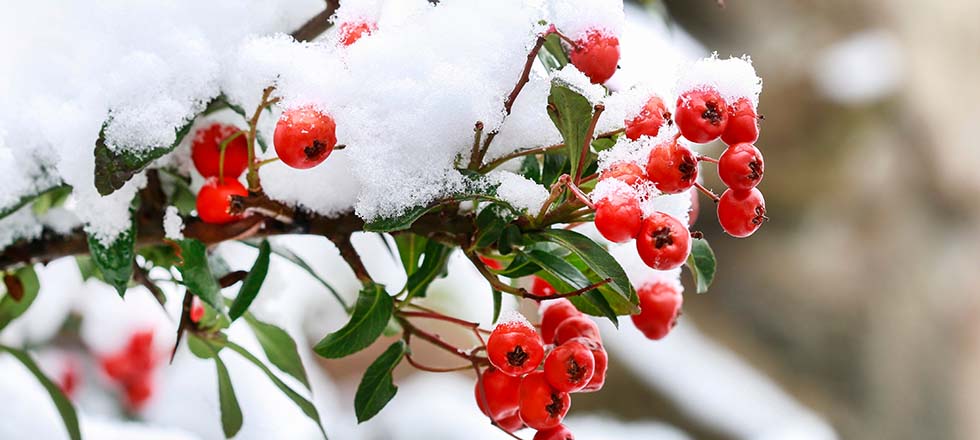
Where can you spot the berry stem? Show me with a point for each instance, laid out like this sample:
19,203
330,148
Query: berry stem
580,195
261,163
556,190
519,153
714,197
254,186
411,330
221,155
599,108
440,317
702,158
572,293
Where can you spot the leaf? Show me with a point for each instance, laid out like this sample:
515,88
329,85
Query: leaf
554,165
114,168
498,299
368,320
531,168
196,273
410,249
605,143
520,266
490,224
376,388
231,413
301,263
61,403
591,302
510,239
475,188
252,283
301,402
702,262
200,348
280,348
553,55
115,262
11,308
51,198
572,115
436,255
27,198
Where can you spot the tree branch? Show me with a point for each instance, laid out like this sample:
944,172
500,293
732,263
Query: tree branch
318,24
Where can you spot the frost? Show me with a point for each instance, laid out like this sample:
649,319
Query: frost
570,77
576,17
513,318
173,225
528,125
20,224
521,192
733,78
328,189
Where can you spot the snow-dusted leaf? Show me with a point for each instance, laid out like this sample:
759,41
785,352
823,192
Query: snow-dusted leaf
115,262
376,388
61,403
553,55
367,321
28,198
252,283
11,307
114,168
701,262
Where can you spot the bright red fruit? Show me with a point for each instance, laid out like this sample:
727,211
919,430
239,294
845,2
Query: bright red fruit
601,364
553,314
350,32
660,306
304,137
214,200
596,55
491,263
672,167
741,167
627,172
569,367
559,432
663,242
542,406
197,310
701,115
741,213
515,349
577,326
512,423
618,217
206,151
743,123
649,121
501,394
540,287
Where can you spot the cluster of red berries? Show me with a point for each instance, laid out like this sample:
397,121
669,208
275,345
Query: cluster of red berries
515,393
132,368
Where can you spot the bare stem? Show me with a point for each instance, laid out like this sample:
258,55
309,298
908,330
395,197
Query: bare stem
707,192
353,259
254,186
599,108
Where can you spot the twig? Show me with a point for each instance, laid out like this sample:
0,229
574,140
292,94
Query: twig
578,292
475,152
185,321
350,255
140,275
599,108
702,158
318,24
707,192
519,153
253,170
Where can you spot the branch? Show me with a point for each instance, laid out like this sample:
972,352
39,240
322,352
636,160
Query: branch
318,24
350,255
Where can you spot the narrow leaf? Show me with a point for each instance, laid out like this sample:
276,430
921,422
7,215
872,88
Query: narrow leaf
196,273
65,408
702,263
594,256
11,308
28,198
436,256
368,320
376,388
498,299
115,261
280,348
252,283
302,264
231,413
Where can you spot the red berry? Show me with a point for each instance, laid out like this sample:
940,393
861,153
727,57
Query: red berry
627,172
701,115
596,55
660,306
214,200
601,363
116,366
569,367
68,382
672,167
512,423
553,314
197,311
618,217
206,151
542,406
663,242
501,394
741,167
559,432
577,326
692,216
138,392
649,121
514,351
741,213
304,137
350,32
540,287
491,263
743,123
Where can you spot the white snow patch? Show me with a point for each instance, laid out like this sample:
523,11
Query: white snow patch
733,78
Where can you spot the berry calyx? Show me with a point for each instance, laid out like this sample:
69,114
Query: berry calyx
542,406
560,432
515,349
664,242
601,364
554,314
743,123
596,55
660,306
501,394
540,287
214,200
206,151
741,213
304,137
649,121
569,367
672,167
701,115
626,172
352,31
618,217
577,326
741,167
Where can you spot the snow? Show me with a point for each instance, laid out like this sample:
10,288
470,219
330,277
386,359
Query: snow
860,68
19,225
173,225
575,18
521,192
732,77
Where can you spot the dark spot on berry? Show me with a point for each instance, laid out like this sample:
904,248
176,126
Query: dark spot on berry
314,151
756,169
554,408
712,113
575,371
760,215
662,237
687,168
517,357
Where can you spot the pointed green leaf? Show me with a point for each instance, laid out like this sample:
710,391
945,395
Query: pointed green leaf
252,283
702,263
10,308
410,249
51,198
115,261
490,224
61,403
114,167
376,388
196,273
302,264
436,256
553,55
572,114
279,347
368,320
231,413
498,299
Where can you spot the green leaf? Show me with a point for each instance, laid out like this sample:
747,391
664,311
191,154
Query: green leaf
114,168
498,299
115,261
436,255
510,240
701,261
252,283
410,249
87,267
51,198
490,224
64,407
531,168
231,413
520,266
10,308
553,56
203,349
160,255
368,320
279,347
555,164
605,143
572,115
376,388
301,402
591,302
301,263
196,273
27,198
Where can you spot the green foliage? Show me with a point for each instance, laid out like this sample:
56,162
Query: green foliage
51,198
368,320
280,348
474,189
553,55
302,264
196,273
115,262
114,167
702,263
572,115
28,198
424,260
61,403
231,413
252,283
11,308
376,388
490,224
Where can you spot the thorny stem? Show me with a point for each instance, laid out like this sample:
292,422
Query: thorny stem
707,192
599,108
